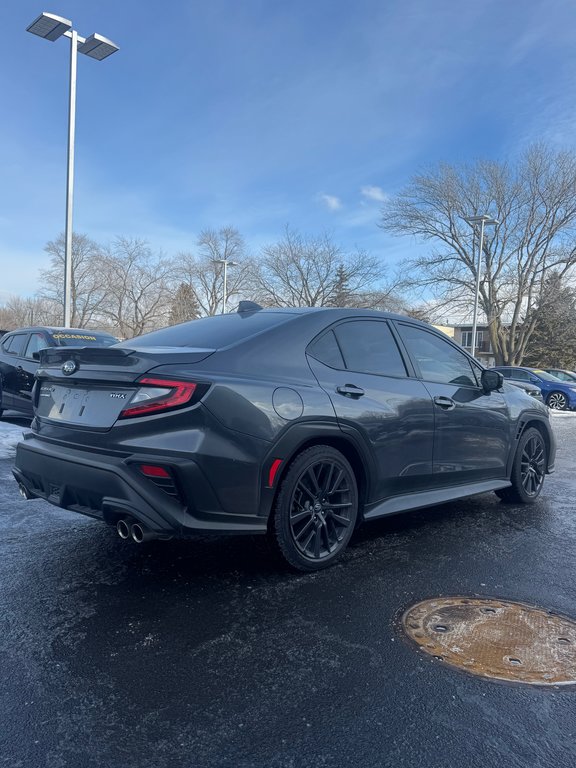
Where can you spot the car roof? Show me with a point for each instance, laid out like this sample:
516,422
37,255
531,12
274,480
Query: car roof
336,311
55,329
520,368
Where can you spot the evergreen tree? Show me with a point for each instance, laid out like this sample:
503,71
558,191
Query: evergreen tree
184,305
553,342
342,294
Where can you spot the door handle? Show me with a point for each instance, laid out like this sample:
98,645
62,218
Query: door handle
349,390
445,402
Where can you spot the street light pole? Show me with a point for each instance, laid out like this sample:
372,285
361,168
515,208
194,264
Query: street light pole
70,182
226,263
51,27
483,221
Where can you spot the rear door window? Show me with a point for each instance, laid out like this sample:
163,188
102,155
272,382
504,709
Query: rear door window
368,346
325,349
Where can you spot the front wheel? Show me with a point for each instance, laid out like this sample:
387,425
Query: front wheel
557,401
316,508
528,470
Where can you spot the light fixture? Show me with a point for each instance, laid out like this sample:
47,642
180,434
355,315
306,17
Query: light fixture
49,26
97,47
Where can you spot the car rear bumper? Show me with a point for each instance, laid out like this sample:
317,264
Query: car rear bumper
110,488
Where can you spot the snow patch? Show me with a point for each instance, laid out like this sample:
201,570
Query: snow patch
10,435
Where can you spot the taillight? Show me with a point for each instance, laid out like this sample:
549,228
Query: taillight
153,470
154,395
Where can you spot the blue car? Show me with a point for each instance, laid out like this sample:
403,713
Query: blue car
557,394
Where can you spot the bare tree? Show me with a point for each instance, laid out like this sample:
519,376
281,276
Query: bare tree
138,292
87,288
535,203
302,271
20,311
203,271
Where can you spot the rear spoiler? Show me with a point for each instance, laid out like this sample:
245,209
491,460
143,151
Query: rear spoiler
57,355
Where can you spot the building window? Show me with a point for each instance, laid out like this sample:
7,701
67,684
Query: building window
467,338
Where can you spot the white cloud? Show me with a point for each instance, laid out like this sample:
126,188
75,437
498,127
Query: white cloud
374,193
331,202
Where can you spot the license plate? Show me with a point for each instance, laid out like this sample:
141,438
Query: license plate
98,407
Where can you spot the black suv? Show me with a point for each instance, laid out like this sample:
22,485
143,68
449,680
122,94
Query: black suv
296,422
19,359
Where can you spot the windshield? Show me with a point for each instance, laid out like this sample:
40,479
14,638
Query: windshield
545,376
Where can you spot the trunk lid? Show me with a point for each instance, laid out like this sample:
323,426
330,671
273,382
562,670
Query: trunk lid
90,386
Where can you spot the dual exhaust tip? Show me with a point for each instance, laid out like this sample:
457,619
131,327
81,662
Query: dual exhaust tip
24,491
127,529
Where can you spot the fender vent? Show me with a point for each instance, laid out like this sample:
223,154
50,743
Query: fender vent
521,426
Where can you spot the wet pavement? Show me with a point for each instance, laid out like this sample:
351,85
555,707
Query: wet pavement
207,653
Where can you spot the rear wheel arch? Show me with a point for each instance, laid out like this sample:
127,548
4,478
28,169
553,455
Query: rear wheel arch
347,447
316,508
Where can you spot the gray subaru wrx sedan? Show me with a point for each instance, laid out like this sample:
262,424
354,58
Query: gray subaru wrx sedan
299,423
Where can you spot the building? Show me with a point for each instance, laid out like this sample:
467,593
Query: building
483,353
461,333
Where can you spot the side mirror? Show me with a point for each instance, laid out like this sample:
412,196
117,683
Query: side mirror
491,380
36,355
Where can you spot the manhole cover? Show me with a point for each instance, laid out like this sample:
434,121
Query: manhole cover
496,638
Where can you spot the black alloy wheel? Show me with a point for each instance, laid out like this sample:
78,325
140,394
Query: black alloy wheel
316,508
557,401
529,469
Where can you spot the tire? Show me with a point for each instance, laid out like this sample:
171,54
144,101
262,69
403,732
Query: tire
528,470
316,509
557,401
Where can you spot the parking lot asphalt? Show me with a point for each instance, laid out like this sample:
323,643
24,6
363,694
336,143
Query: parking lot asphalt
207,653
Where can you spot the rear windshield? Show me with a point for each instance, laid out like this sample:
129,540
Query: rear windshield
82,339
211,332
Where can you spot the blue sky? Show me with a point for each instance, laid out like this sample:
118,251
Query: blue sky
266,113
